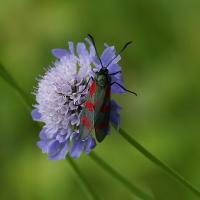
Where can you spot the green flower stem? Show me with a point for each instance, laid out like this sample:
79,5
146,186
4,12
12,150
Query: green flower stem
159,163
9,79
83,179
132,188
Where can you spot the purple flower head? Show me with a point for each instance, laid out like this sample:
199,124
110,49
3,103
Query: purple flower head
59,92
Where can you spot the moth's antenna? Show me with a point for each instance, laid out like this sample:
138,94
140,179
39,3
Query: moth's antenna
93,42
121,86
123,48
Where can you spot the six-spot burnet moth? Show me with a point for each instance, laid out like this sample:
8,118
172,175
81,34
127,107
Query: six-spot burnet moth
96,110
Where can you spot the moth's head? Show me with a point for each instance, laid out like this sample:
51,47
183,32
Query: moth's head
102,77
104,71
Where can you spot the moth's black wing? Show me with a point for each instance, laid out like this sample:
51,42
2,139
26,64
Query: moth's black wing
102,114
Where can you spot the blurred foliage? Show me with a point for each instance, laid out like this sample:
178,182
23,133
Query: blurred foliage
162,66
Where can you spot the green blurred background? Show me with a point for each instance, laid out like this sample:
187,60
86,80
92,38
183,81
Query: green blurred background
162,66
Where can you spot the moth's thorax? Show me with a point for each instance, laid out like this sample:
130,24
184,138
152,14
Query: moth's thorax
103,78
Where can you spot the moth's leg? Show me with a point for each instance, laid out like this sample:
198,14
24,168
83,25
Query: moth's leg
71,100
65,97
91,78
80,103
123,88
115,73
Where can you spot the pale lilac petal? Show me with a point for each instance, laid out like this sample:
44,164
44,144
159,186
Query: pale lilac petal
74,119
116,89
77,149
114,60
54,148
41,144
114,68
92,49
36,116
63,135
58,151
82,51
108,55
43,134
59,53
71,47
45,144
90,145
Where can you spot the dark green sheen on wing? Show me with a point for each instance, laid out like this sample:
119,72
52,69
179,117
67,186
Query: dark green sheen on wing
102,113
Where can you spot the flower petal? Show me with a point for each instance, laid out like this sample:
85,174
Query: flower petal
114,60
116,89
114,68
58,151
59,53
71,47
90,145
107,55
43,135
77,149
92,49
82,51
36,116
45,144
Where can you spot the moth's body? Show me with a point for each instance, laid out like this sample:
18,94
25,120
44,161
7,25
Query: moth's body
96,112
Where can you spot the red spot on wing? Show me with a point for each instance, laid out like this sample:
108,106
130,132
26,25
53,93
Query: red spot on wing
90,106
107,94
105,108
95,104
86,122
101,126
92,89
